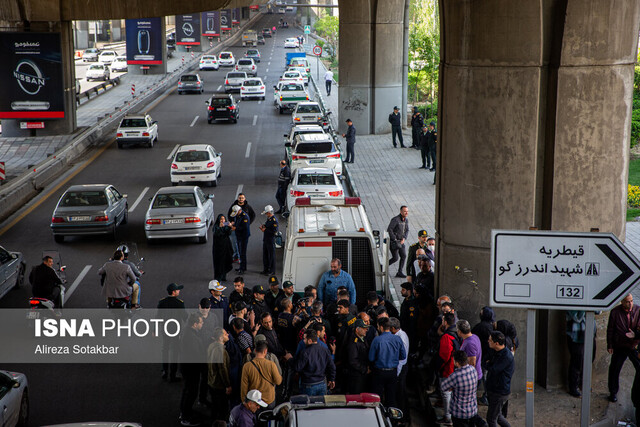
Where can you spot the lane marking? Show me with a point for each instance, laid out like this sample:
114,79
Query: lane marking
255,120
269,63
239,190
267,70
219,87
194,121
173,152
259,101
76,282
246,154
139,199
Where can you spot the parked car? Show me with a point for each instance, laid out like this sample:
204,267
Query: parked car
90,55
137,129
98,72
107,56
253,54
252,88
293,76
301,129
222,107
288,96
14,399
308,112
226,59
291,42
313,150
190,83
89,210
12,269
175,212
196,163
119,64
316,183
234,80
248,66
209,62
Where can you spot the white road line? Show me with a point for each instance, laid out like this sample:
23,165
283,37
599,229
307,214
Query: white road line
238,191
194,121
138,200
246,154
170,156
76,282
255,120
259,101
219,87
267,70
269,63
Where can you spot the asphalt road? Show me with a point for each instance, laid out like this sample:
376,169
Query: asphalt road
251,151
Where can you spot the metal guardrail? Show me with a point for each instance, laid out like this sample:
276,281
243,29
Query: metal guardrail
97,90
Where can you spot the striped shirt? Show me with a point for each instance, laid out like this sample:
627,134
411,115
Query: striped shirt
464,382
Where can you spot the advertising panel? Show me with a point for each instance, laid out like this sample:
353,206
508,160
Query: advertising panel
211,24
188,29
144,41
225,19
235,18
31,70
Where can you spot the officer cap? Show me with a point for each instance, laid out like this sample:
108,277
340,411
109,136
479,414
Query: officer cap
273,280
395,107
235,209
422,233
259,289
432,124
287,284
360,324
344,303
347,121
267,208
214,285
174,287
239,306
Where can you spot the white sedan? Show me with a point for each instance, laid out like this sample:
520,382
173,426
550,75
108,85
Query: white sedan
196,163
292,75
98,72
316,183
252,88
107,56
209,62
291,43
302,71
137,129
119,64
14,399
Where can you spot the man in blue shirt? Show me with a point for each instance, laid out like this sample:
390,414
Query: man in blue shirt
386,352
331,280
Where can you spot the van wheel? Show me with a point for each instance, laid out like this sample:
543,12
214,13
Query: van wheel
58,239
281,110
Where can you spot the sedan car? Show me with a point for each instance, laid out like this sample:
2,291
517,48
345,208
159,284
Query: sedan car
14,399
137,129
266,32
303,72
190,83
316,183
89,210
209,62
248,66
98,72
196,163
253,54
222,107
90,55
175,212
293,76
308,113
253,88
119,64
107,56
291,42
313,150
261,39
12,268
226,59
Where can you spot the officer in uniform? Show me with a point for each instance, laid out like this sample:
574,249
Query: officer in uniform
357,359
432,139
396,127
242,226
259,305
219,301
417,123
409,311
171,345
283,183
270,229
274,294
424,148
411,255
342,322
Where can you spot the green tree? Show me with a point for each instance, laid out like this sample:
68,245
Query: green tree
424,50
328,27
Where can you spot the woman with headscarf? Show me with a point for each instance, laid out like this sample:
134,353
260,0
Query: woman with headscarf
221,249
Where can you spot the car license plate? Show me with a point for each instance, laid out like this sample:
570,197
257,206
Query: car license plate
80,218
222,109
316,195
316,161
192,168
173,221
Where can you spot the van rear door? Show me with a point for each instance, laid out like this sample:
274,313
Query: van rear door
357,259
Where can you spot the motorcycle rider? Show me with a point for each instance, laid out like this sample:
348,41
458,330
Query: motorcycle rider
119,281
45,282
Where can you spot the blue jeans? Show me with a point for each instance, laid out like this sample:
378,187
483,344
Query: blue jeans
318,389
234,244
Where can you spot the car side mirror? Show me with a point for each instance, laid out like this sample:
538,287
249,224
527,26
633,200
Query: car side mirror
266,416
14,256
394,413
124,196
155,122
206,102
287,144
286,136
210,196
219,154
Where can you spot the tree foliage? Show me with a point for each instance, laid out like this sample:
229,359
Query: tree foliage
424,50
328,28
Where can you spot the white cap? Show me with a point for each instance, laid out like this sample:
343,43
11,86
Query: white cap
235,209
267,208
256,396
216,286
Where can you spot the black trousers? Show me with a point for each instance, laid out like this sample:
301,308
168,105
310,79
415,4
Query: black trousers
384,383
243,242
424,155
219,404
618,358
356,383
351,154
432,155
191,378
397,131
281,197
401,394
170,349
495,412
269,255
398,250
327,85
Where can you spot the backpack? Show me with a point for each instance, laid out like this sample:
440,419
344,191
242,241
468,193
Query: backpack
456,342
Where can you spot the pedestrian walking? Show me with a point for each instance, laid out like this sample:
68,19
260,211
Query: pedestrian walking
315,366
386,352
283,182
242,226
398,231
623,319
417,123
395,119
171,345
328,81
244,415
270,230
432,140
192,349
221,249
500,369
350,136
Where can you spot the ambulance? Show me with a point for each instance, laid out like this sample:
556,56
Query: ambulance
320,230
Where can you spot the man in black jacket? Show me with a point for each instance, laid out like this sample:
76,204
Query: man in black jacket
242,202
283,182
417,123
357,360
170,344
350,136
395,119
45,281
432,139
315,366
398,231
192,352
500,369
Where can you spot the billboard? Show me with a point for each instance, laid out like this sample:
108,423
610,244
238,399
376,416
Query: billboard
211,24
235,18
225,19
188,29
144,41
31,70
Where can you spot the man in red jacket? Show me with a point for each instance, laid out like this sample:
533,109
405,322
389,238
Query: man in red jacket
448,344
622,330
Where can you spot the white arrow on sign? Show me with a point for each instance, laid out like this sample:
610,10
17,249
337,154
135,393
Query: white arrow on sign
560,270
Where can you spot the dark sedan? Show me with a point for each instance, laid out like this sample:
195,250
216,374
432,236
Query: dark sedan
222,107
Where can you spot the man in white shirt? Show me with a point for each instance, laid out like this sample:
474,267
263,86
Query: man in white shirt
328,81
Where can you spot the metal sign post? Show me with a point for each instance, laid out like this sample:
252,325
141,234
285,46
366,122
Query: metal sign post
587,362
531,366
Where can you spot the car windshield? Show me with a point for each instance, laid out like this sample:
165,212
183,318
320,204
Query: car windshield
315,147
192,156
133,123
220,102
84,198
316,179
189,78
96,67
307,131
236,75
322,417
252,83
313,108
108,53
291,88
225,55
174,200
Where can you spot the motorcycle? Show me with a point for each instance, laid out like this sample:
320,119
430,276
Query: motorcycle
45,303
130,250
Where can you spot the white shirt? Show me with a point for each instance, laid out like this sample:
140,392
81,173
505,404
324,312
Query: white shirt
328,75
405,340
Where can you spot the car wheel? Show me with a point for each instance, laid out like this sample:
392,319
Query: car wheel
150,143
23,416
120,145
209,121
179,93
174,184
58,238
113,233
220,172
150,242
205,238
281,110
20,279
213,183
235,120
263,98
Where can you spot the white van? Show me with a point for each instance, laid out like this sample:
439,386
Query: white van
320,230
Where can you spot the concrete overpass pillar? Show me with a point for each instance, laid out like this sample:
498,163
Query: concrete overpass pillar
535,109
371,58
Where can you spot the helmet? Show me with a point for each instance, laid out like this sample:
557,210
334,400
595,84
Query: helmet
124,249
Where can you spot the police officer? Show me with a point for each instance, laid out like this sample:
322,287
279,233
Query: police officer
283,182
350,136
424,148
171,345
242,226
219,301
274,294
432,139
342,322
357,359
411,255
417,123
259,306
409,311
270,229
396,127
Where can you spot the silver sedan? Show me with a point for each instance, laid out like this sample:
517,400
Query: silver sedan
12,269
183,211
14,399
